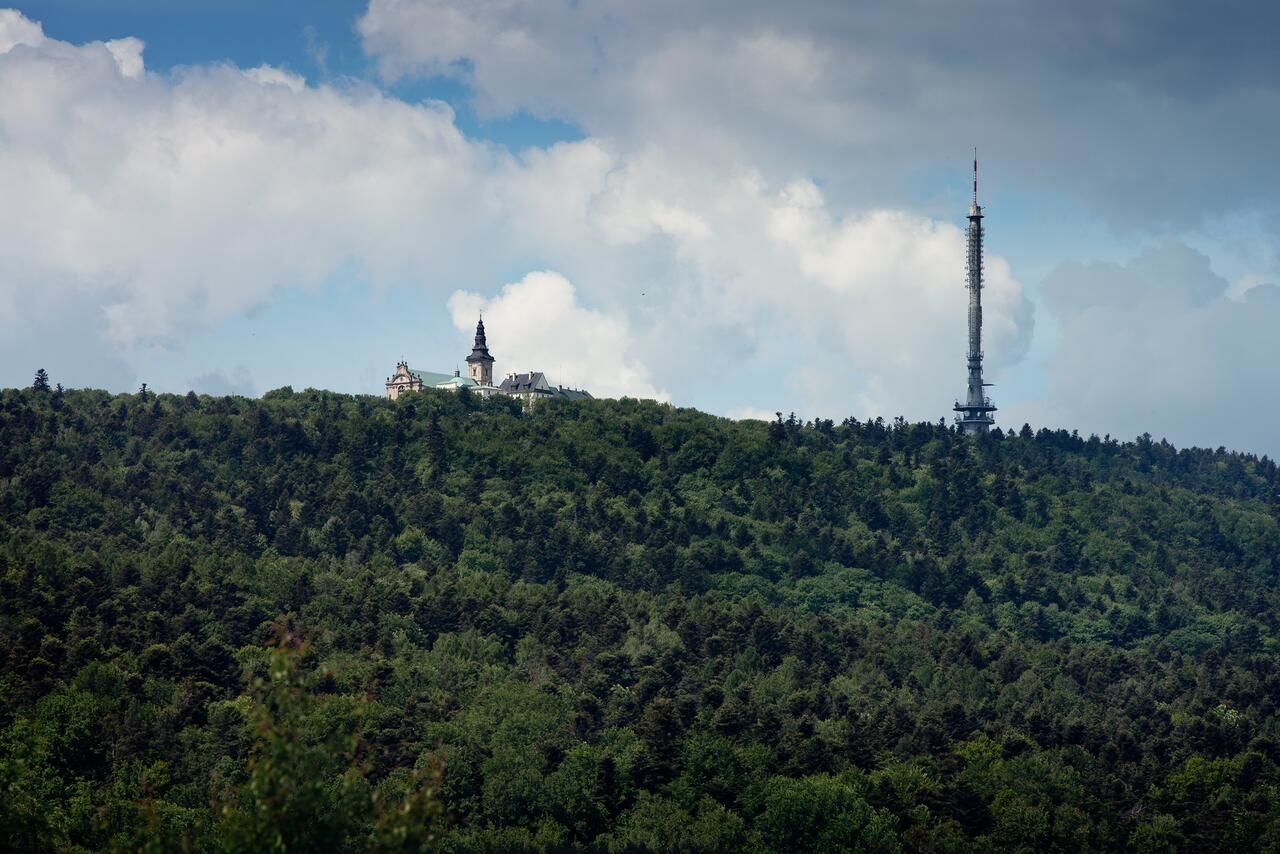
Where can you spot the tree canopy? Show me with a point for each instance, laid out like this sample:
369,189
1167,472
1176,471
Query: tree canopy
322,622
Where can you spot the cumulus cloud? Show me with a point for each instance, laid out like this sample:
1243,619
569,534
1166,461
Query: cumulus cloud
835,314
738,223
1144,121
127,53
16,29
1108,103
897,274
171,203
270,76
1157,345
536,324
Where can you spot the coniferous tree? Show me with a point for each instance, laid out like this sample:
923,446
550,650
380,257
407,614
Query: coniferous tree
435,444
619,625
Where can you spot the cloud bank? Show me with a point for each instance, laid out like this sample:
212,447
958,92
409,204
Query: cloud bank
170,203
1148,114
541,327
1155,121
1158,341
741,227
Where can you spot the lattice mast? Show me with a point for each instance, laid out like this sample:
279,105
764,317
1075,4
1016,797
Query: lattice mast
974,415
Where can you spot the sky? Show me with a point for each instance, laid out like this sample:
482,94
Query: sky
737,205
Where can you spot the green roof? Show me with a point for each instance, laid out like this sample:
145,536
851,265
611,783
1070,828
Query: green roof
430,378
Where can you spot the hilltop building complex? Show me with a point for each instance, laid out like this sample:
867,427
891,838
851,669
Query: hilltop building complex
974,413
528,387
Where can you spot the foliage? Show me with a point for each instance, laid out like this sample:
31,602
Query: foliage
316,621
304,791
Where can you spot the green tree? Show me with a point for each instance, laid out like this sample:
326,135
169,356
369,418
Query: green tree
820,814
306,790
1159,834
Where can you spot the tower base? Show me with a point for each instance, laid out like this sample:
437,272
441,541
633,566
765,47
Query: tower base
973,419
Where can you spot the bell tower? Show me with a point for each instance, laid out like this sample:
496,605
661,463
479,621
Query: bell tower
480,363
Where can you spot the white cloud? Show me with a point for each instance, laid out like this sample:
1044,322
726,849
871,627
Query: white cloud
170,203
270,76
1157,345
175,203
733,223
860,314
536,324
723,120
1102,105
1247,282
15,29
751,413
127,53
893,280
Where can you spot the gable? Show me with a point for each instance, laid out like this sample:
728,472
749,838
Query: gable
534,381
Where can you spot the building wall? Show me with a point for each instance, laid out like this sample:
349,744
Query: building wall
397,387
402,381
481,372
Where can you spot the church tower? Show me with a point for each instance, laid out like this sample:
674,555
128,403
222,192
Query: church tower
480,363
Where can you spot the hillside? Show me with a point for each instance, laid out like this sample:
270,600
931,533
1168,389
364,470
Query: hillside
624,626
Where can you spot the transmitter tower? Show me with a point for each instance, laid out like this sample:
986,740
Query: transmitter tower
974,414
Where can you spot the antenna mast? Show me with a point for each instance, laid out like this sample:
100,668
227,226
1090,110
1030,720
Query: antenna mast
974,415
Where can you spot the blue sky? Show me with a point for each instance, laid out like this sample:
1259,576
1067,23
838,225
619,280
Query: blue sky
244,32
315,38
727,205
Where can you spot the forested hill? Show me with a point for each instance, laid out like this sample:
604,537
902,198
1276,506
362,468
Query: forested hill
335,623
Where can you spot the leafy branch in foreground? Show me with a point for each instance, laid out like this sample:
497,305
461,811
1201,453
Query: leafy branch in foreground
307,788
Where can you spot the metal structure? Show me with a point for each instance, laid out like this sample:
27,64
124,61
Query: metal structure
974,415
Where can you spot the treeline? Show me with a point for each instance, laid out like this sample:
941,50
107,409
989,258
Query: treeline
323,622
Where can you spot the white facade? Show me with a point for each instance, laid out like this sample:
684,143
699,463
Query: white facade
528,387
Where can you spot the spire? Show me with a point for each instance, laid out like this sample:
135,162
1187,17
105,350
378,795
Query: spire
480,363
974,209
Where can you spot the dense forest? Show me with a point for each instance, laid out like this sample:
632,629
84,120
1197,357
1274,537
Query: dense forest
322,622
